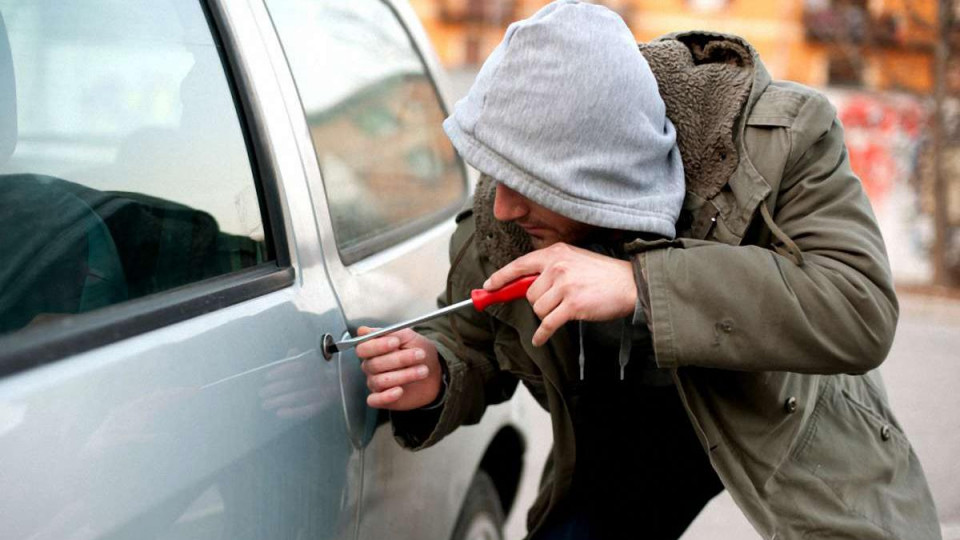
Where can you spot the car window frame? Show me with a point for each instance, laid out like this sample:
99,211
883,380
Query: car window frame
409,230
77,333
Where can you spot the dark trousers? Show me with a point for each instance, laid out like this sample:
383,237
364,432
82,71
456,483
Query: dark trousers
641,472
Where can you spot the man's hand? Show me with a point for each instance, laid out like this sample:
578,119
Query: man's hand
574,284
402,368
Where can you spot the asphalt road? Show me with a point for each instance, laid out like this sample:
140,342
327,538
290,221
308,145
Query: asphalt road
922,374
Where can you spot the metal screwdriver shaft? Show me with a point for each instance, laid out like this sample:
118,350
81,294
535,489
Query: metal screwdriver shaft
480,299
353,342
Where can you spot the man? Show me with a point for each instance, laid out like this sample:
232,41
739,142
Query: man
694,326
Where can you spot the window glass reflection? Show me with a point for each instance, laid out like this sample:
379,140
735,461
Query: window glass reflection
375,120
123,168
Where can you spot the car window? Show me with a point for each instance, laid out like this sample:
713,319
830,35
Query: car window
123,166
375,120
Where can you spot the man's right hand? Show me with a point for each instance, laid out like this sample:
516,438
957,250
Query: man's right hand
403,370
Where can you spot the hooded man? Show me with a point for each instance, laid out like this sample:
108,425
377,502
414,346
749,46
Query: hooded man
713,294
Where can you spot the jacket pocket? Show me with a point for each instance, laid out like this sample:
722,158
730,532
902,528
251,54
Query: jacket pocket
851,472
849,446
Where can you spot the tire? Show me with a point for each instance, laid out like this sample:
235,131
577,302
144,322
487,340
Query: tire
481,517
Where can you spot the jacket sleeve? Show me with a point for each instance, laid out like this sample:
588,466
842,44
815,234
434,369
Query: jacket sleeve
474,377
750,308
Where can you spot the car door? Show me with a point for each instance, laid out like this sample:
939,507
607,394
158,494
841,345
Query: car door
384,179
163,293
386,183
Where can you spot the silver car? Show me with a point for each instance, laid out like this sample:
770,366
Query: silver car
194,197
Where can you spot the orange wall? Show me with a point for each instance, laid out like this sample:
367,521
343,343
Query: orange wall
774,27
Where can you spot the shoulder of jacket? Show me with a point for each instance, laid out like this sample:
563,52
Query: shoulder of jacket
786,103
806,113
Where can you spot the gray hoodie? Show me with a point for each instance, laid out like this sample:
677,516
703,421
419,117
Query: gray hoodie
566,112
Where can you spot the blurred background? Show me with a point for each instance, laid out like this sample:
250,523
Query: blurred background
892,69
886,65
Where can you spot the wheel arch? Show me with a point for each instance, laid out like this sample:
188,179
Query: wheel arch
503,461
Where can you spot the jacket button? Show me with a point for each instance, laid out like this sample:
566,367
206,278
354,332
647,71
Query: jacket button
725,326
790,405
885,433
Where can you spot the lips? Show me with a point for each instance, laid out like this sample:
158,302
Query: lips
533,230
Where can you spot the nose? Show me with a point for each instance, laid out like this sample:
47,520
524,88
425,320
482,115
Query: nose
509,205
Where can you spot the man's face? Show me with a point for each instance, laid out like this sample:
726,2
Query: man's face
544,226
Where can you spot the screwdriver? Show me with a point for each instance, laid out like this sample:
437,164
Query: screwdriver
480,299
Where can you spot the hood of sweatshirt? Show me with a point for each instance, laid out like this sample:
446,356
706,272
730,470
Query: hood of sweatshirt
566,112
706,81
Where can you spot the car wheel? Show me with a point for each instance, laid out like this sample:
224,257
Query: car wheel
481,517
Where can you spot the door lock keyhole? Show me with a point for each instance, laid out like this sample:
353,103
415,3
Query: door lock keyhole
328,346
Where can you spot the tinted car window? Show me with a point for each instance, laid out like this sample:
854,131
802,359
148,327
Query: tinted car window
123,167
375,120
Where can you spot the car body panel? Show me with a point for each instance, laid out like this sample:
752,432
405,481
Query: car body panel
121,441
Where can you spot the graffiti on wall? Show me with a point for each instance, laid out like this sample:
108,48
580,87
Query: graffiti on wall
883,134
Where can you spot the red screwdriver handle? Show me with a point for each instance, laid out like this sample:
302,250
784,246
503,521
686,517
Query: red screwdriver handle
514,290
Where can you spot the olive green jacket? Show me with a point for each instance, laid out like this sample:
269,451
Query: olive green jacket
772,310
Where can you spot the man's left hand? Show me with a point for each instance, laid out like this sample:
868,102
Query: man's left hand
574,284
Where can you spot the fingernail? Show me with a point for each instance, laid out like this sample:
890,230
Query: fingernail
486,284
420,354
393,343
422,371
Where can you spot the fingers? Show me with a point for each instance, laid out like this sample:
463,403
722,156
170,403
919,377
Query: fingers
544,294
382,400
547,302
398,367
392,361
400,377
531,263
386,344
537,288
573,284
542,261
377,347
549,324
